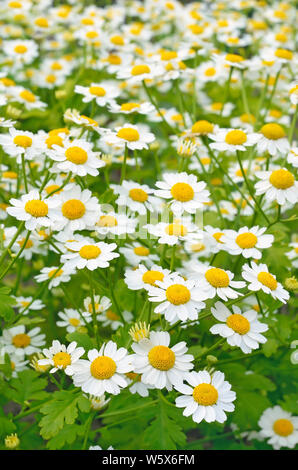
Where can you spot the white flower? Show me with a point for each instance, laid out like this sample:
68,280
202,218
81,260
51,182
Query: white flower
131,107
184,192
113,320
23,302
128,135
259,278
143,278
178,299
216,281
15,340
111,223
137,197
71,319
61,357
137,386
136,254
160,365
18,143
36,212
240,329
88,254
139,72
247,241
280,427
206,397
233,139
103,371
21,51
55,274
172,233
104,93
101,304
277,185
76,157
273,140
293,157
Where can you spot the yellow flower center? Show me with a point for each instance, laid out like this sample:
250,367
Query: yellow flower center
284,54
202,127
205,394
87,21
74,321
97,91
210,72
36,208
141,251
138,194
218,236
51,78
197,247
27,96
29,243
234,58
178,230
21,340
150,277
235,137
112,315
248,118
52,187
114,59
54,140
161,357
23,141
217,277
216,106
76,155
282,179
275,113
10,174
15,5
56,66
129,106
182,192
117,40
133,376
41,22
90,251
103,367
272,131
238,323
53,271
283,427
267,280
92,34
7,81
246,240
232,40
62,359
128,133
107,221
20,49
73,209
177,294
140,69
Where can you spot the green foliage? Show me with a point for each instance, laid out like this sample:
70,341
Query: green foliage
6,302
26,387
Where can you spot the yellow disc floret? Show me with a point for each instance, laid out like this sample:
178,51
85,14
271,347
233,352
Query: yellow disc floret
73,209
97,91
283,427
62,359
238,323
161,358
128,133
246,240
182,192
36,208
90,251
202,127
235,137
273,131
22,141
205,394
217,277
150,277
76,155
267,280
21,340
103,367
282,179
141,251
138,195
178,294
140,69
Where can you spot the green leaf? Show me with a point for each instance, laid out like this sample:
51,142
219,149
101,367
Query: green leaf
163,432
290,403
6,311
82,339
67,435
27,386
270,347
62,409
6,426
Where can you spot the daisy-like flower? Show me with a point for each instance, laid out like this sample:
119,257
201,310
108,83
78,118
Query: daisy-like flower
17,143
88,254
55,275
26,97
293,157
277,185
280,427
161,365
172,233
79,209
240,329
16,341
61,357
206,397
216,281
71,320
34,211
111,224
259,278
293,254
23,302
136,254
272,139
104,371
76,157
178,299
101,304
22,51
113,320
131,107
139,72
233,139
17,364
142,277
130,136
184,192
247,241
137,386
137,197
103,93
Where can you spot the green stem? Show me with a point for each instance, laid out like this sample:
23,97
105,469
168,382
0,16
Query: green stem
20,228
17,256
24,173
